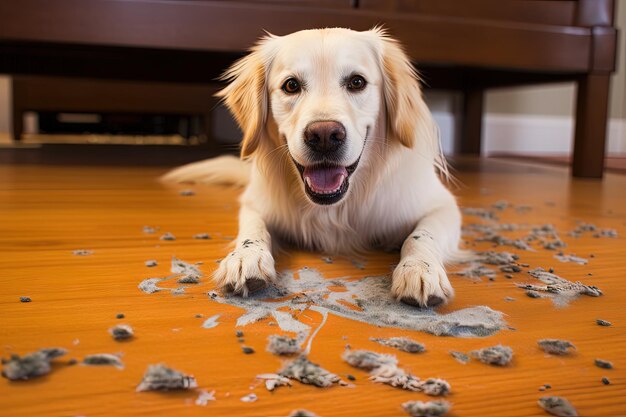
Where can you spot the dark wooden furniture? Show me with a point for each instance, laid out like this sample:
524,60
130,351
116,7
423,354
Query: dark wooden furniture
83,95
469,45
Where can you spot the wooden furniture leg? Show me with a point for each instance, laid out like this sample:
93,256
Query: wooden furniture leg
591,120
17,111
472,122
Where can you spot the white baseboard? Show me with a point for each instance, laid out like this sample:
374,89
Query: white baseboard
542,134
529,134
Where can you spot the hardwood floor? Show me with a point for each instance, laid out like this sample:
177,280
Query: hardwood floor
46,212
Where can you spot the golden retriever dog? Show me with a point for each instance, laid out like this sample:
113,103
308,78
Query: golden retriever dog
340,154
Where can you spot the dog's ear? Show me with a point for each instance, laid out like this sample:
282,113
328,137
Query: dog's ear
247,98
402,93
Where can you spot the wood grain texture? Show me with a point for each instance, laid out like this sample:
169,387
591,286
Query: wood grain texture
46,212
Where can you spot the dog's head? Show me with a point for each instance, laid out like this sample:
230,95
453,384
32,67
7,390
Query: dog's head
321,93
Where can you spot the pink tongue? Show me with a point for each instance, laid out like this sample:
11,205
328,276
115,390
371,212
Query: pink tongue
325,179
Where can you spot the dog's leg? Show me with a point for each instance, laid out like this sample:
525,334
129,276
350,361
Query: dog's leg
250,267
420,278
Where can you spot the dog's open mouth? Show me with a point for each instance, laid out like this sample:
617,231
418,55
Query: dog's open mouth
326,183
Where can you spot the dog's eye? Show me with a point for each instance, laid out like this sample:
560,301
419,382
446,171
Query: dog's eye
291,86
356,83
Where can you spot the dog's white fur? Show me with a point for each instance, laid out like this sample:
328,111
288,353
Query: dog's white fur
396,197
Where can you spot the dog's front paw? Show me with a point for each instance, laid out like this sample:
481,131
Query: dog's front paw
247,269
422,283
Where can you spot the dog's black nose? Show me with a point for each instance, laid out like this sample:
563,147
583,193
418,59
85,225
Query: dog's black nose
324,137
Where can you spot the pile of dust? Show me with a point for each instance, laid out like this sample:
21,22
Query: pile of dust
557,406
427,409
559,289
121,332
282,345
571,258
30,365
497,258
556,346
494,355
401,343
384,369
211,322
273,381
250,398
204,397
161,378
307,372
476,271
167,236
460,356
186,273
302,413
601,363
103,359
367,300
583,227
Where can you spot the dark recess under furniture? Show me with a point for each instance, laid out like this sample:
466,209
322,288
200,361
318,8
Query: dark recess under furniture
466,45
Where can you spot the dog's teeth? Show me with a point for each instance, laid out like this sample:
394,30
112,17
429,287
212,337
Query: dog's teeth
308,182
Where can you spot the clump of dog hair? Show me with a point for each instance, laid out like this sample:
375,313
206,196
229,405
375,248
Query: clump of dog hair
497,258
25,300
31,365
302,413
161,378
556,346
460,356
149,229
122,332
480,212
307,372
604,323
368,360
401,343
167,236
606,233
476,271
187,193
559,289
202,236
426,409
247,350
282,345
384,369
191,272
151,263
557,406
601,363
273,381
606,381
103,359
250,398
188,279
204,397
495,355
570,258
82,252
435,387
